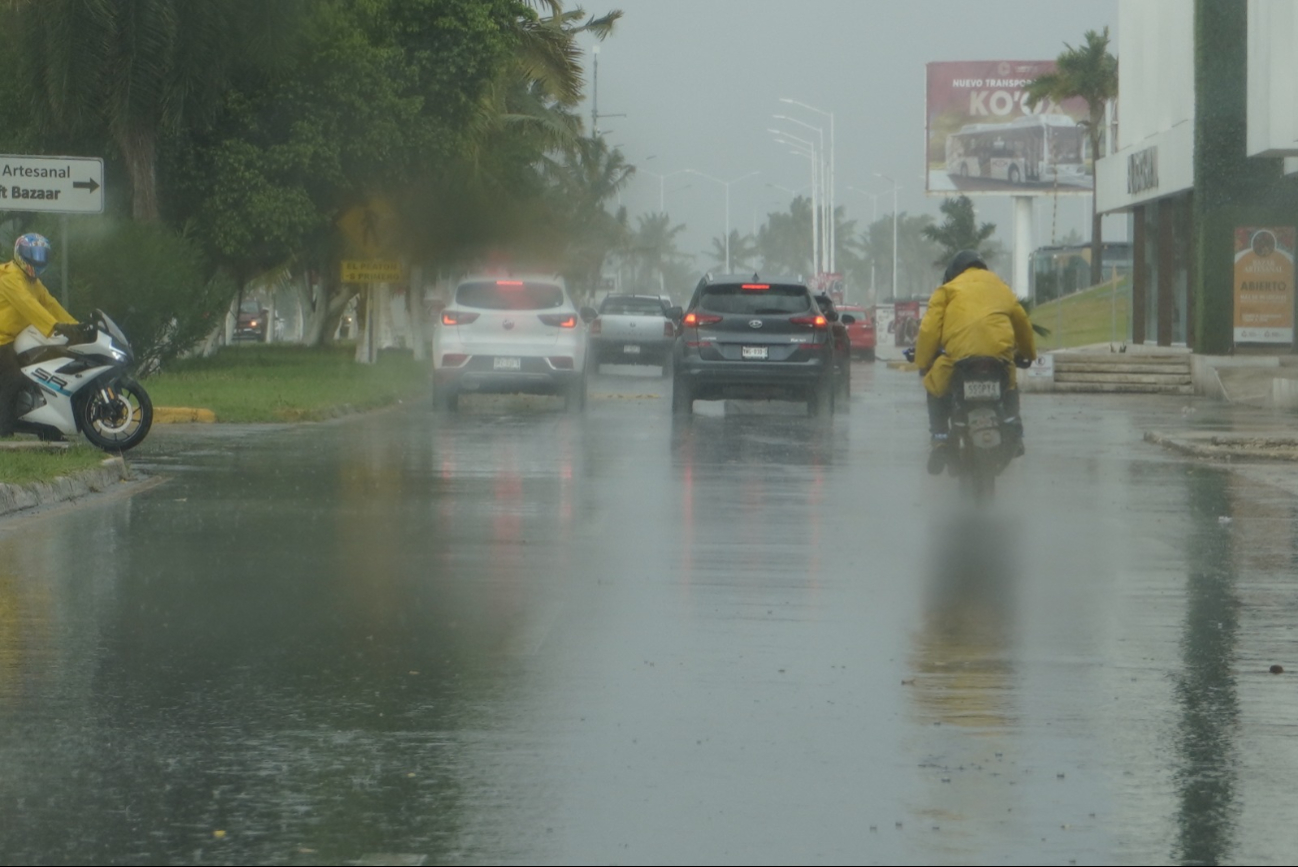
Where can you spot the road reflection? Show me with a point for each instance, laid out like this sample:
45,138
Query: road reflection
1206,775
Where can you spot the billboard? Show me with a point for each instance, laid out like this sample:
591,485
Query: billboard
983,139
1264,276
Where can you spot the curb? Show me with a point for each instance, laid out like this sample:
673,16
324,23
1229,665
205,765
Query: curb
1257,448
16,498
182,415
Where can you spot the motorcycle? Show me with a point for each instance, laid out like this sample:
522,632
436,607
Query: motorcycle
81,384
986,430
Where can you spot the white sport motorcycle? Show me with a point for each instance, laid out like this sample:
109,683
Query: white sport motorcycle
82,384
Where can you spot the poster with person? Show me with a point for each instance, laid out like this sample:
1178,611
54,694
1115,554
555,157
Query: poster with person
1264,284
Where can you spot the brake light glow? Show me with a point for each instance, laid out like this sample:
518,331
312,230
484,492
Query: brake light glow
457,317
509,282
817,321
696,319
560,320
756,287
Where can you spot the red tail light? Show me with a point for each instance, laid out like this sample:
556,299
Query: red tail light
509,282
559,320
454,359
596,327
457,317
696,319
561,362
756,287
669,330
817,321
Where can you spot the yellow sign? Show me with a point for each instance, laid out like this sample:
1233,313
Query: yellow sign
371,271
371,229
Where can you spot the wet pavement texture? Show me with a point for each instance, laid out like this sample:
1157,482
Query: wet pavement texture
516,635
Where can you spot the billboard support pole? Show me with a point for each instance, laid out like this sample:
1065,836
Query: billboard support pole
1022,244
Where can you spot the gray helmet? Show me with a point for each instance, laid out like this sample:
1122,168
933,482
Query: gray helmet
962,262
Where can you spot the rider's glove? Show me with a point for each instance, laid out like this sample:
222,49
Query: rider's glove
74,332
1022,362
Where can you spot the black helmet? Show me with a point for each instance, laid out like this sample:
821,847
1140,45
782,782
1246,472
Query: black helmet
962,262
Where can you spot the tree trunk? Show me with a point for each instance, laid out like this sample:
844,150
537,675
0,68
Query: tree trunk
139,150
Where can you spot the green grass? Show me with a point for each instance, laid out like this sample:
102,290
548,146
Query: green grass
1086,317
287,383
22,466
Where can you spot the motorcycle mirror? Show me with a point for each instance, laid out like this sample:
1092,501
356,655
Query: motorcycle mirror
675,314
589,314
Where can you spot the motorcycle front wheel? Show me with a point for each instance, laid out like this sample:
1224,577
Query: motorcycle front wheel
117,418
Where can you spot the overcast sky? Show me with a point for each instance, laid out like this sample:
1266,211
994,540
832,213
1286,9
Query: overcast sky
699,81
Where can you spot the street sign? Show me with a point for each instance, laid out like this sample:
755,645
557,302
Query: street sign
371,271
59,185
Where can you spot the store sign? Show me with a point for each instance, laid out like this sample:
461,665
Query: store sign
1142,170
1264,284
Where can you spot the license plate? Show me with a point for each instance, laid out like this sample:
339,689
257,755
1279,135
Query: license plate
503,363
753,352
631,349
982,390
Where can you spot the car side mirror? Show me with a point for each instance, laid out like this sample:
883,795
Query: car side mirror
675,314
847,319
589,314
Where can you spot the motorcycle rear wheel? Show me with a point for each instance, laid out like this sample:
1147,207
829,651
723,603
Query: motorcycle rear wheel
120,423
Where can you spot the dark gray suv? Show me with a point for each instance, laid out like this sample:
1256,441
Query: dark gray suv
748,338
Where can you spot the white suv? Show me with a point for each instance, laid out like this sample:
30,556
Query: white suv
510,335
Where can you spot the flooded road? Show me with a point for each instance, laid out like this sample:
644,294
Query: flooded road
515,635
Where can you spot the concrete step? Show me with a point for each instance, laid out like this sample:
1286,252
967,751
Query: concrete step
1182,378
1120,388
1121,358
1075,366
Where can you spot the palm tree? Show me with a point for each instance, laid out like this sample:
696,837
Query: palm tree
743,251
134,71
1090,72
960,231
652,250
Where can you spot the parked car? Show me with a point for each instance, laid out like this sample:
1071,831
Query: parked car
745,338
514,335
860,333
633,329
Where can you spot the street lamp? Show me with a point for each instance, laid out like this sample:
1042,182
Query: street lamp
725,184
662,180
825,215
833,229
874,218
808,149
894,231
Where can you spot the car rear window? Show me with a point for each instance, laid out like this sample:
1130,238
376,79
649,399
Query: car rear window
634,306
509,295
772,301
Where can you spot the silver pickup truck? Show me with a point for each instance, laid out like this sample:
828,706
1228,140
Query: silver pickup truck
632,329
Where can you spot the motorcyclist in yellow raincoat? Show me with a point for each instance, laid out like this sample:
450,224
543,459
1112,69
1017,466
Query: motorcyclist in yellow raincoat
24,301
972,313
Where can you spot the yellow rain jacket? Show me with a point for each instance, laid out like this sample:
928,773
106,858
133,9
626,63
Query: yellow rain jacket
24,302
974,314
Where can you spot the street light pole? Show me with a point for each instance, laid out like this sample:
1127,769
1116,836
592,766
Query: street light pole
725,184
826,255
833,229
894,232
874,218
808,149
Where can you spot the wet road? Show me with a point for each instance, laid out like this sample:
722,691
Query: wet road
519,636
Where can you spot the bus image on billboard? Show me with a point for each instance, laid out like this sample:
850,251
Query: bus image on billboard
983,137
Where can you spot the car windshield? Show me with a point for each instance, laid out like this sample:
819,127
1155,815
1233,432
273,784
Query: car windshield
633,306
770,301
509,295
